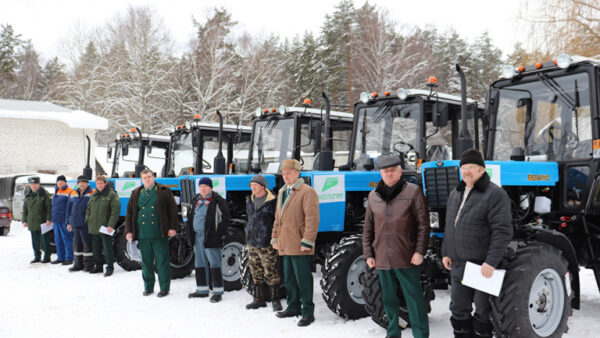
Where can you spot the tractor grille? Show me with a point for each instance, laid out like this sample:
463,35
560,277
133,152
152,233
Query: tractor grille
187,190
439,182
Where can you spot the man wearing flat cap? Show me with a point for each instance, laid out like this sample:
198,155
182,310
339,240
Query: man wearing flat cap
395,238
262,258
478,229
37,210
294,235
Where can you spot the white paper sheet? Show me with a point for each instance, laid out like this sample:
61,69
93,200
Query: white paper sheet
46,228
474,279
133,251
104,230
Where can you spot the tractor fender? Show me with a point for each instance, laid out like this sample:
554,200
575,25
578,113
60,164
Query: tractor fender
562,242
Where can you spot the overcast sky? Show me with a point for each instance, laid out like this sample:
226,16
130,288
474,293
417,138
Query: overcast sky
47,23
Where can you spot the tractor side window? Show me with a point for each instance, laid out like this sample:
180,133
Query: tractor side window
577,177
309,142
342,134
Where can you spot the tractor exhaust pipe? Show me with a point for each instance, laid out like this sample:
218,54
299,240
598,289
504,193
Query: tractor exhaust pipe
139,166
326,157
464,138
219,161
87,171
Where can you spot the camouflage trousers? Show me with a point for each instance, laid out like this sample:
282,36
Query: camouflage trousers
263,265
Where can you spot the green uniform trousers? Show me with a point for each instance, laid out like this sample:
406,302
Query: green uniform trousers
298,280
156,249
36,238
103,242
410,282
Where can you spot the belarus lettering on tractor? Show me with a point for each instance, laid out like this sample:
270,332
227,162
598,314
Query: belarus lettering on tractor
418,126
543,148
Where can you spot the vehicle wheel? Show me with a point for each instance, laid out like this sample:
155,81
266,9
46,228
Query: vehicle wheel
374,303
534,301
182,257
246,275
123,256
231,253
341,282
5,231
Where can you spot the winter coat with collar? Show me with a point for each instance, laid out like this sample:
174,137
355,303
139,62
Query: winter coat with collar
216,222
36,209
59,204
165,207
483,228
395,230
77,207
296,221
260,222
103,209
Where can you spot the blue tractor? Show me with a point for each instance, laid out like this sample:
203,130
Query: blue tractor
543,148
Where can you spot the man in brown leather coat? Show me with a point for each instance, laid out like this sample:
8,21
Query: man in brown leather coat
395,240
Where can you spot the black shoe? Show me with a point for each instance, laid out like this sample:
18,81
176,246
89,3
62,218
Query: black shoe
56,262
147,292
75,268
306,321
197,294
46,260
216,298
276,304
109,272
162,293
97,269
67,262
286,314
256,304
35,260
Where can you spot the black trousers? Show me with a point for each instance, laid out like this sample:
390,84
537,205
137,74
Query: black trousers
462,297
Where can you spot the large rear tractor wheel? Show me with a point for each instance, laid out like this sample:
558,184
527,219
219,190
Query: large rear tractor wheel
126,259
341,282
535,300
182,257
231,254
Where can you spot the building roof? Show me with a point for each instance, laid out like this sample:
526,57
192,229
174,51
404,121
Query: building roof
38,110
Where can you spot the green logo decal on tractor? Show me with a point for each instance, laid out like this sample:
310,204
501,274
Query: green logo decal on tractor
330,182
128,185
215,183
490,172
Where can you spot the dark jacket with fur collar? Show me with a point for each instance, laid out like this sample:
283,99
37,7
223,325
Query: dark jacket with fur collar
483,228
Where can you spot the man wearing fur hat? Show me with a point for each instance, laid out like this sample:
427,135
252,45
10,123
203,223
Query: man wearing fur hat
294,235
478,229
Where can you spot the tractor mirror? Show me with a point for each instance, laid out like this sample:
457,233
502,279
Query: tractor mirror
125,147
440,114
108,153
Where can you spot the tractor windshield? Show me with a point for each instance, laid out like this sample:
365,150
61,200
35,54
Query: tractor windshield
182,153
387,129
549,118
273,142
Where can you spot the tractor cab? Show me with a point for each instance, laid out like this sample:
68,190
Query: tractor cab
299,133
130,153
195,145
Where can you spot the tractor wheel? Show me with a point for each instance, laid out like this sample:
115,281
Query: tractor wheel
374,303
231,253
122,255
182,257
342,289
534,301
246,275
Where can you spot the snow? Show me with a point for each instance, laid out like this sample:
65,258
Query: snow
46,300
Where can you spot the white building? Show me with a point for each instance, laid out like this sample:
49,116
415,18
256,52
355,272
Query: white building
43,137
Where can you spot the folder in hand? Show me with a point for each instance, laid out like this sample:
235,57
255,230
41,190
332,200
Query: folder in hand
474,279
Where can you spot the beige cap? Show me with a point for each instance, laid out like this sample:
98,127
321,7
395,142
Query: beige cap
291,164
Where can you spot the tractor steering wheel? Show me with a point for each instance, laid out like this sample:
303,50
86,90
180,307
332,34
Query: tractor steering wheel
206,164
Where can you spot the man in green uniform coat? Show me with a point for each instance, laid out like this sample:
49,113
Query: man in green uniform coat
102,211
151,219
36,210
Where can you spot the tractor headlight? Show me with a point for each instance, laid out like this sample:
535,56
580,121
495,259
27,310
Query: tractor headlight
402,93
364,97
563,61
258,112
282,109
508,71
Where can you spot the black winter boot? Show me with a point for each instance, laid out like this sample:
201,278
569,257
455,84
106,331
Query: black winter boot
109,271
259,297
200,282
276,298
77,264
88,264
97,269
463,328
482,329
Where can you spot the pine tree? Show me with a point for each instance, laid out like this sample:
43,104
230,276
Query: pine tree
9,49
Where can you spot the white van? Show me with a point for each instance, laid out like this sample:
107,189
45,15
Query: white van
47,181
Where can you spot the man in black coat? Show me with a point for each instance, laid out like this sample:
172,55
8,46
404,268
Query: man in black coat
260,208
478,229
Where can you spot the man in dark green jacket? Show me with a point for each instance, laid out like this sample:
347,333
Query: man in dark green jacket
36,210
151,219
102,211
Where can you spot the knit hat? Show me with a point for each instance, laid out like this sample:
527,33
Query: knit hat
82,178
260,179
33,180
205,181
471,156
291,164
61,178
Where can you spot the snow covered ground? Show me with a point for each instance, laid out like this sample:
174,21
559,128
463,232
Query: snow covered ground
46,300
